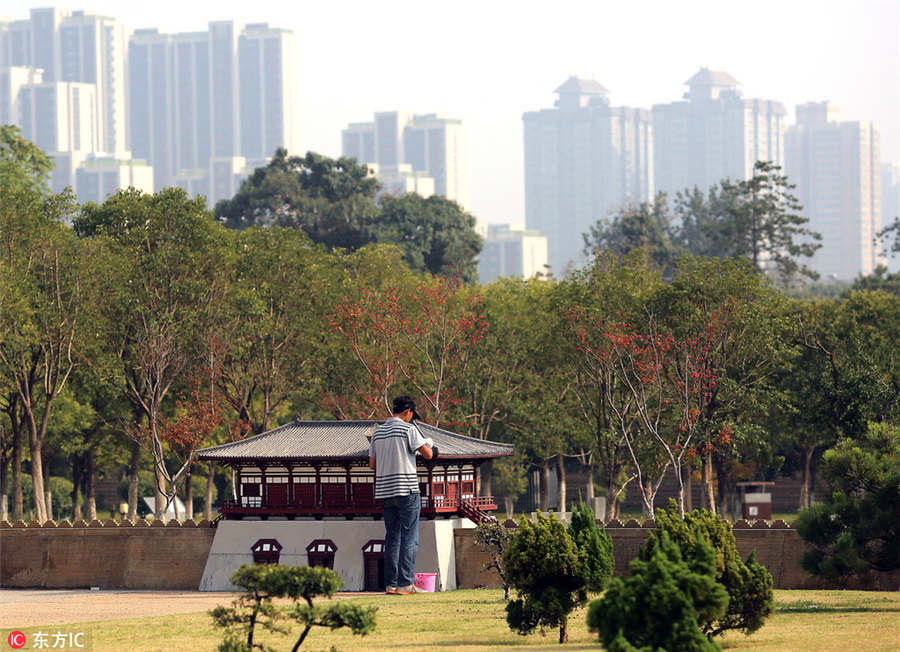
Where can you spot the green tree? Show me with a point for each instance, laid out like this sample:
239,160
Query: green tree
749,585
856,530
595,548
493,539
542,563
332,201
435,234
262,583
764,227
647,226
165,287
662,602
23,166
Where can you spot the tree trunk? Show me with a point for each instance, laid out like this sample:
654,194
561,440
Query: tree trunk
37,475
509,504
133,478
709,496
188,496
612,493
545,486
807,476
76,487
207,509
589,484
160,498
90,490
688,488
485,488
18,507
561,484
48,502
4,487
563,630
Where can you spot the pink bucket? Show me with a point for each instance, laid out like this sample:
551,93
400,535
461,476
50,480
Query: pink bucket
425,581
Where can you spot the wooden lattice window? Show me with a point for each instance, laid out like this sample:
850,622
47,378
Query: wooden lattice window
321,553
266,551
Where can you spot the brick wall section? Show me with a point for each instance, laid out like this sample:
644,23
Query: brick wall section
777,547
137,557
153,556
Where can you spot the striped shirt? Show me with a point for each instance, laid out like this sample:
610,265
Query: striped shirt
393,446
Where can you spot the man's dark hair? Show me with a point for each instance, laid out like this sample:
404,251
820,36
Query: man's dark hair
404,403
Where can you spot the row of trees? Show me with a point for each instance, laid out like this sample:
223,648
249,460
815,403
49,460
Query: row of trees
137,330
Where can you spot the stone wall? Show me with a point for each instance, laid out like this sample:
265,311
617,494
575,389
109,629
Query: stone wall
778,547
140,556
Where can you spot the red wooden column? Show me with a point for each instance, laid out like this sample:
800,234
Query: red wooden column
264,488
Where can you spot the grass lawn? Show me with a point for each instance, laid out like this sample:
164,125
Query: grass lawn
475,620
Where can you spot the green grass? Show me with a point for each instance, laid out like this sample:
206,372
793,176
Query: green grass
475,620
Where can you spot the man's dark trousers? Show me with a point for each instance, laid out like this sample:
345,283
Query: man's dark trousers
401,539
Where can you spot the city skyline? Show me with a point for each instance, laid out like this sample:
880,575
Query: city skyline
482,67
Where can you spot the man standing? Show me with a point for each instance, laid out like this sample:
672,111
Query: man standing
392,455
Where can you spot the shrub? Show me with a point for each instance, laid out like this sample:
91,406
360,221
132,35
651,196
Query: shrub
493,538
262,582
595,548
748,583
857,530
661,604
542,563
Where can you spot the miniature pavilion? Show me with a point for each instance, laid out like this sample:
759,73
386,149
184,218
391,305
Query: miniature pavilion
321,469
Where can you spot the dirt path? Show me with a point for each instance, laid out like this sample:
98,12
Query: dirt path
29,608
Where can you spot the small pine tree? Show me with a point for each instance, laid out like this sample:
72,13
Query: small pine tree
595,548
661,604
749,584
493,538
542,563
263,582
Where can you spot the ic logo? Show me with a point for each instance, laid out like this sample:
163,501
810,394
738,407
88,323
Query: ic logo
16,640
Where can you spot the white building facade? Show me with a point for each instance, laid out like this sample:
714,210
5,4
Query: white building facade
714,134
835,166
511,251
584,159
432,146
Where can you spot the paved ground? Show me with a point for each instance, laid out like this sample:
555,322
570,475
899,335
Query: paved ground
29,608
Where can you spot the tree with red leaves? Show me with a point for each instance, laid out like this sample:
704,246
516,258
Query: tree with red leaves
417,339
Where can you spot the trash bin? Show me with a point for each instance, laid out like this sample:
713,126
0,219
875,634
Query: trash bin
756,500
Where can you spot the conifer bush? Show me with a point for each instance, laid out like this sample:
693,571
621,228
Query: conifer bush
662,603
749,584
595,548
543,564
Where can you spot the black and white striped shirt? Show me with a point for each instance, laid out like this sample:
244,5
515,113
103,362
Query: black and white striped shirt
393,446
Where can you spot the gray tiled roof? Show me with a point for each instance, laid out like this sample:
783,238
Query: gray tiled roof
707,77
582,86
309,440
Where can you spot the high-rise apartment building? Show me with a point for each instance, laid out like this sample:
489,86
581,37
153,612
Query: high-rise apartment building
430,144
714,134
835,166
584,159
511,251
91,49
209,104
267,99
12,80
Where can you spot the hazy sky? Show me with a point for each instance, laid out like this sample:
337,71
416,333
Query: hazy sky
489,61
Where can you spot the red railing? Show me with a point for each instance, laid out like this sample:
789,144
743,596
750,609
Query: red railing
430,505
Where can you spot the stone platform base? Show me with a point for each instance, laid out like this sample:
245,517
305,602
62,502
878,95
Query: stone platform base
233,540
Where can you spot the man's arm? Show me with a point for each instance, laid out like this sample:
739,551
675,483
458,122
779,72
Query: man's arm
424,450
372,462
